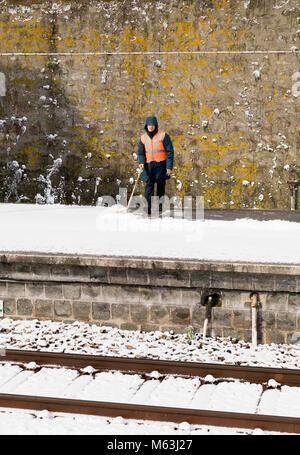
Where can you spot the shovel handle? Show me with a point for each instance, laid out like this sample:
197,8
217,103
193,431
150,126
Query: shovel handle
139,174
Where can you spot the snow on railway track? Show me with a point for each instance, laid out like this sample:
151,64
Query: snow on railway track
209,394
230,395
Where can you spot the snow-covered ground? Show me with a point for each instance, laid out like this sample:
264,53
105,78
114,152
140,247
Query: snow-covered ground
81,337
22,422
111,231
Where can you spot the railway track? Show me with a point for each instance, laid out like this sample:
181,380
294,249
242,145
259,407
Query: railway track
258,375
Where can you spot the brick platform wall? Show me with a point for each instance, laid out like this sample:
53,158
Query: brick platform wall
152,294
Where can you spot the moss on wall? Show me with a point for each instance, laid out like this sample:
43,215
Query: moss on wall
71,123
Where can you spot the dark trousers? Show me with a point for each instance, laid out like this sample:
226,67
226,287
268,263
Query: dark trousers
149,192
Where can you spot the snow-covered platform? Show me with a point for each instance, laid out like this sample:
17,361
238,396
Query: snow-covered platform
110,231
106,266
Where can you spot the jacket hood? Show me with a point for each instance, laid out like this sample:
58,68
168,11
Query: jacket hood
152,120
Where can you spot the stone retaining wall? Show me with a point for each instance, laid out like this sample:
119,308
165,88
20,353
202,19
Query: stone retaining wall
152,294
80,78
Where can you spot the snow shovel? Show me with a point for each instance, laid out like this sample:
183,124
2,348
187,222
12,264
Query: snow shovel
139,174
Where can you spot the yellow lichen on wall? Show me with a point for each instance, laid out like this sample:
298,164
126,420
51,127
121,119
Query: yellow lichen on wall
29,36
31,155
217,112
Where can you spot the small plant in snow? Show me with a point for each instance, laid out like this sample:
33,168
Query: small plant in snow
189,334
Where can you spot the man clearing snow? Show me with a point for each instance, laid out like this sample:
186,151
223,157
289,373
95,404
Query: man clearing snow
156,155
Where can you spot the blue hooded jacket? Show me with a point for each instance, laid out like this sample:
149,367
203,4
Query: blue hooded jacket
159,169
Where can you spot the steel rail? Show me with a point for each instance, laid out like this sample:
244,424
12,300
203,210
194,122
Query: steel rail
284,376
154,413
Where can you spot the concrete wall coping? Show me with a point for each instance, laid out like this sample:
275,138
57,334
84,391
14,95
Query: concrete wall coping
148,263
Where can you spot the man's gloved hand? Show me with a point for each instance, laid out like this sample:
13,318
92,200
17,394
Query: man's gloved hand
141,166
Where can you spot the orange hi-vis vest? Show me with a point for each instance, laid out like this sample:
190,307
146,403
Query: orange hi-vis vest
154,148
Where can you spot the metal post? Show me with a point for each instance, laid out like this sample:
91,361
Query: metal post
254,307
293,187
293,202
207,315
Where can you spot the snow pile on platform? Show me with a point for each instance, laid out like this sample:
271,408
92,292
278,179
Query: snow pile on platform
84,338
113,232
